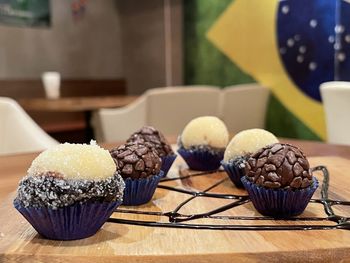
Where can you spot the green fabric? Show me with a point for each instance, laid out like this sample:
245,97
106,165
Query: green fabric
205,64
283,123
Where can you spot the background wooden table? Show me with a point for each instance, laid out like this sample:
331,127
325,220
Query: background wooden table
118,242
70,104
77,104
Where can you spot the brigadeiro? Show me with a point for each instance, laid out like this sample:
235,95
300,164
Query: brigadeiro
161,145
139,165
242,145
202,143
279,180
70,191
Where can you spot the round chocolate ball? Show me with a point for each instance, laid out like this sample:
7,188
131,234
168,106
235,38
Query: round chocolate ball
136,160
279,166
152,135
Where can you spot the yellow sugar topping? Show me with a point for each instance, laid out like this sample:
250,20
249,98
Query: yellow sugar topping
207,130
75,161
247,142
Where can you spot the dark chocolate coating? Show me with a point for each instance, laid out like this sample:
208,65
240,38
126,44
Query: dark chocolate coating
279,166
136,160
151,135
52,190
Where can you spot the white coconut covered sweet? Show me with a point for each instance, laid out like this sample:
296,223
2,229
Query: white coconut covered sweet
70,173
247,142
207,131
75,161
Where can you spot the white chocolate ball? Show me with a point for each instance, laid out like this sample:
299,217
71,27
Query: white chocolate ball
75,161
247,142
207,130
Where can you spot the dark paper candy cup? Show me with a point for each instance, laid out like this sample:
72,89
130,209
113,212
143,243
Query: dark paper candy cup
279,202
68,223
234,172
140,191
201,160
167,162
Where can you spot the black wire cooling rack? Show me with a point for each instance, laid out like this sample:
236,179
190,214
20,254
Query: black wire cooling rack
175,219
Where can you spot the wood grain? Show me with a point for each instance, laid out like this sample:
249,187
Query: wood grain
75,104
116,242
33,88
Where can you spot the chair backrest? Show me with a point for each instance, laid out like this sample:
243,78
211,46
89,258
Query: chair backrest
116,125
18,132
244,106
170,109
336,101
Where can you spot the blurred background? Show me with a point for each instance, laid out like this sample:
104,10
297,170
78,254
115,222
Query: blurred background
124,48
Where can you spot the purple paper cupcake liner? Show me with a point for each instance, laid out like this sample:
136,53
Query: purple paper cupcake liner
234,172
167,162
140,191
68,223
279,202
201,160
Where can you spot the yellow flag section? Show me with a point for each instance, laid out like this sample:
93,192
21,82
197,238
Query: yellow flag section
246,33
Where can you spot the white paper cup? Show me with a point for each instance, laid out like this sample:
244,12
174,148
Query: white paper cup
51,82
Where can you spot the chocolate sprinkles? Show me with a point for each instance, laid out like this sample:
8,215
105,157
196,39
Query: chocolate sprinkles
51,190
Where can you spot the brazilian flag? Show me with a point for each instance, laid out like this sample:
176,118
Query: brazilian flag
289,46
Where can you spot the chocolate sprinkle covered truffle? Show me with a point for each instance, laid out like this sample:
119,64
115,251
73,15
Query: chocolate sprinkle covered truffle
136,160
279,166
152,135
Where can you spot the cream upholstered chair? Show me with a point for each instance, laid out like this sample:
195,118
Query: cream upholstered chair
336,101
112,125
244,106
168,109
18,132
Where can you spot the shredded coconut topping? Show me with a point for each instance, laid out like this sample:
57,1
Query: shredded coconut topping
247,142
206,130
75,161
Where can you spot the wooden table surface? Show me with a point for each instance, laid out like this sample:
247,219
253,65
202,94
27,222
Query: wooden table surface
73,104
122,242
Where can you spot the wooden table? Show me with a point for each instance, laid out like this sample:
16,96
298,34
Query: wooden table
72,104
130,243
77,104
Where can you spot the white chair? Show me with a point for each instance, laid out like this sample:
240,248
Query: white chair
168,109
18,132
336,101
114,125
244,106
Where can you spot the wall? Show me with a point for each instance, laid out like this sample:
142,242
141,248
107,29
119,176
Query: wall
88,48
145,28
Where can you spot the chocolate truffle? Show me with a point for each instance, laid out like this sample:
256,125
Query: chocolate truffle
151,135
137,160
247,142
202,143
70,191
70,173
205,131
279,166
